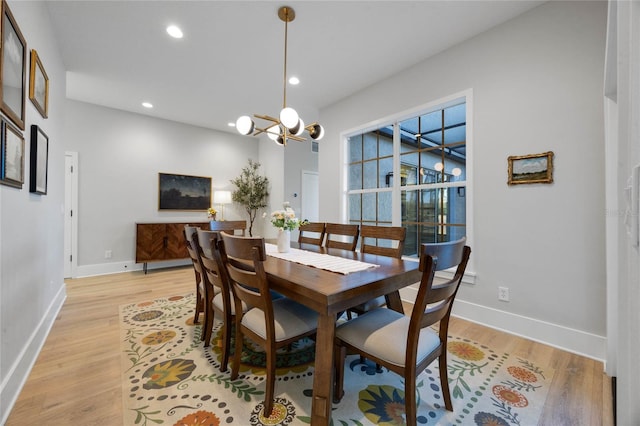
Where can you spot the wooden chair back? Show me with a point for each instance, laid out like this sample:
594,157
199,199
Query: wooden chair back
214,274
339,230
316,229
230,226
243,258
190,239
381,240
434,302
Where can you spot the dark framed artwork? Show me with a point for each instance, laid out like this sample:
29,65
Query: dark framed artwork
39,164
39,85
183,192
533,168
12,155
12,68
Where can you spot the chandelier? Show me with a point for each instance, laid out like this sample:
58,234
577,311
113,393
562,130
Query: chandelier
288,125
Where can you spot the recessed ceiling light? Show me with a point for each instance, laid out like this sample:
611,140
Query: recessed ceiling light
231,124
294,80
147,104
174,31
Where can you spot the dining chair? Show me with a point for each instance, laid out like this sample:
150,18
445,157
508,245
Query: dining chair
383,241
231,226
407,345
341,236
215,278
316,229
190,234
272,324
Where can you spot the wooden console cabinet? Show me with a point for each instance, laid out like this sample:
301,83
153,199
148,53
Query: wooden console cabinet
162,241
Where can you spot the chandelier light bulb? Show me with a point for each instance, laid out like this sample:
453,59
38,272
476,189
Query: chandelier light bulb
289,117
244,125
273,132
299,128
316,132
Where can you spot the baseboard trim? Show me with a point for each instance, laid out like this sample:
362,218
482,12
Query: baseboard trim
117,267
558,336
20,370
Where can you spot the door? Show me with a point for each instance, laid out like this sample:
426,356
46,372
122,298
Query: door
310,197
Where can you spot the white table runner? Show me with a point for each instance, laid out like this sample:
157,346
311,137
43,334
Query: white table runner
319,260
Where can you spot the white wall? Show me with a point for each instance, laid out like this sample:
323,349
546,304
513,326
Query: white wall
120,155
537,84
31,227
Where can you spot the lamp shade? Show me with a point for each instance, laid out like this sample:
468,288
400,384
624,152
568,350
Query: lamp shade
299,128
222,197
244,125
316,132
289,117
273,132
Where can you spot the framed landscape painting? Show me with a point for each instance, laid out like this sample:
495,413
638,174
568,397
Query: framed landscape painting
39,85
183,192
534,168
13,64
12,166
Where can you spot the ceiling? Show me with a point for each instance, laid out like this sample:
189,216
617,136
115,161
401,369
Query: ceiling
230,60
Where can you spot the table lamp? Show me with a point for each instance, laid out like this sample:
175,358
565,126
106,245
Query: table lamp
222,198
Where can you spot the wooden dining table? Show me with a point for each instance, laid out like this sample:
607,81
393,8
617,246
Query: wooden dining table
330,293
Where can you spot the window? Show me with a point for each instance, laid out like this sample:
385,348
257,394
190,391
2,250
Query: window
427,152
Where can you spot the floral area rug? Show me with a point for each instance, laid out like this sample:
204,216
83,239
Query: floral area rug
169,378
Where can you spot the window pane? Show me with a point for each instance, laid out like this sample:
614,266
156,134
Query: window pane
370,146
369,206
355,207
409,168
355,148
370,178
355,176
384,207
386,169
385,146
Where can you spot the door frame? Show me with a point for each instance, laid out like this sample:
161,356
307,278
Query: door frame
71,212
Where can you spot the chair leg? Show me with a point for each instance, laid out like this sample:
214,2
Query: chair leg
199,305
410,400
237,356
226,341
271,380
444,379
207,328
340,353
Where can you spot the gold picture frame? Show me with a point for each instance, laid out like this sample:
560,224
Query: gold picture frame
39,85
13,64
533,168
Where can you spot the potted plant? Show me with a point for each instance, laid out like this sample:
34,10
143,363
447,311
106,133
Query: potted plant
252,191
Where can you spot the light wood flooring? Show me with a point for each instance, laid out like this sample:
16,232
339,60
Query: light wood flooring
76,379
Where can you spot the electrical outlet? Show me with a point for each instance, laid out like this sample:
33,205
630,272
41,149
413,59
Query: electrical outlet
107,254
503,294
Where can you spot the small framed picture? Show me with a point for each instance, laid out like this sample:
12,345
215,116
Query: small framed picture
534,168
39,85
13,61
12,155
39,164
